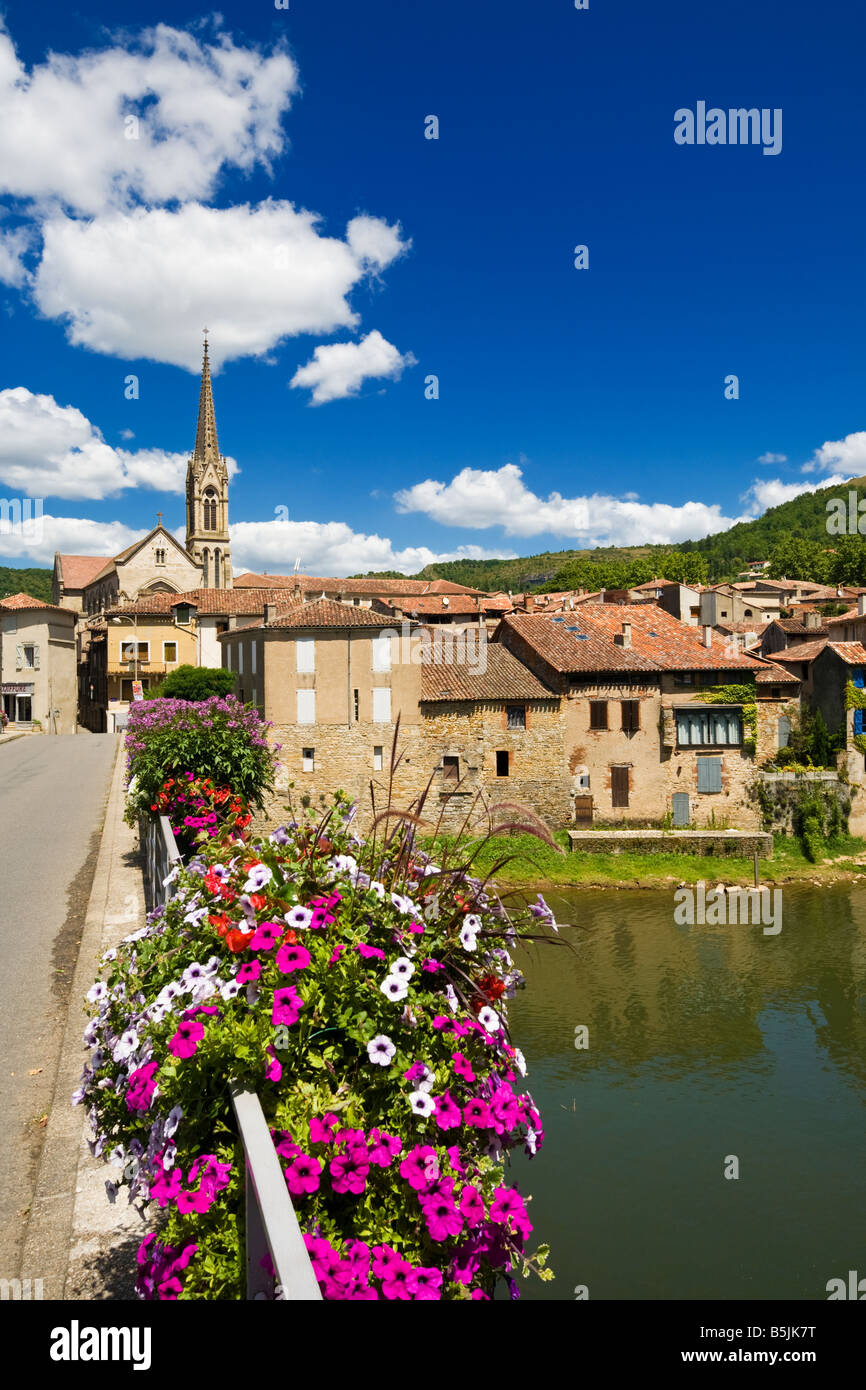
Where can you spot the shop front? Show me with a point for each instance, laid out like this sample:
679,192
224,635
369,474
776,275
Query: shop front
18,703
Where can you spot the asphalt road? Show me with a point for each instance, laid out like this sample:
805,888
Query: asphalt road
53,792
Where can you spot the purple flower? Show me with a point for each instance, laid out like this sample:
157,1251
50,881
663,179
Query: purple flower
369,952
428,1284
287,1006
442,1217
471,1206
447,1113
477,1112
416,1166
303,1176
186,1039
291,958
322,1130
266,936
349,1171
385,1148
398,1282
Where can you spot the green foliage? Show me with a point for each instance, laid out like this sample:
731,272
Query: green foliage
35,582
194,683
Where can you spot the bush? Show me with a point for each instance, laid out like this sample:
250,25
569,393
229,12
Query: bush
360,991
194,683
218,738
194,806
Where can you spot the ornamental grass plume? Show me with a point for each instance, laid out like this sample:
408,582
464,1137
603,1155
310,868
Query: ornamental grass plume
393,1110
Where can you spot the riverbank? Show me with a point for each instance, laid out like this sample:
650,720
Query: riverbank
531,863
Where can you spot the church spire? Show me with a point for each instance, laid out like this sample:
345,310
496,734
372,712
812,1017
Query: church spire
206,444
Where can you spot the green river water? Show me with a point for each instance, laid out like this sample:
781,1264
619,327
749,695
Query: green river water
704,1042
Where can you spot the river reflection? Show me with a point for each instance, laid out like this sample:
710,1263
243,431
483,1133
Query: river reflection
703,1042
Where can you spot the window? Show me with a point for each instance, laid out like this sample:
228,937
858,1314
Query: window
598,714
784,731
857,677
775,692
305,648
308,759
502,762
712,729
254,698
135,651
382,653
210,510
858,721
356,702
29,658
451,769
382,704
630,716
306,706
515,717
169,652
377,757
240,658
619,778
159,556
683,678
709,774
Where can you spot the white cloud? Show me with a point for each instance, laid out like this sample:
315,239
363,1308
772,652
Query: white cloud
13,246
143,284
340,369
772,458
847,455
487,497
64,132
36,540
51,450
333,548
773,492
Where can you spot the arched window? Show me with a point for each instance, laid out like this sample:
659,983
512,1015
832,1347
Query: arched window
205,559
210,510
216,569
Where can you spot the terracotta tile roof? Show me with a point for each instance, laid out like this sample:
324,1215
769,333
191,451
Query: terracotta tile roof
505,678
360,587
795,628
661,639
244,602
852,653
21,601
847,617
771,674
804,651
747,625
457,605
77,571
574,644
324,612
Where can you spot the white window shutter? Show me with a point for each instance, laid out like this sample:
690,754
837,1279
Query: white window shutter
305,648
382,704
19,658
382,653
306,706
36,658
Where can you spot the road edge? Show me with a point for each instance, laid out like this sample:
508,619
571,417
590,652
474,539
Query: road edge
48,1234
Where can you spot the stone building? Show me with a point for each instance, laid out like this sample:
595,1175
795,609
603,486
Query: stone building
642,743
37,664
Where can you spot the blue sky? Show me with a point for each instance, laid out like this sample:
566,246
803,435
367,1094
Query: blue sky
576,407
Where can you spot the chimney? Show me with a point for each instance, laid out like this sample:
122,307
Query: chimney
296,589
707,635
626,634
233,622
530,603
270,613
812,620
861,605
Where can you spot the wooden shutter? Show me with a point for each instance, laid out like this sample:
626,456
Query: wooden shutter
35,658
709,774
619,786
680,808
19,658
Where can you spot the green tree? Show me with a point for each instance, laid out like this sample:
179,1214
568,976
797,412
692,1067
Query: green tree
195,683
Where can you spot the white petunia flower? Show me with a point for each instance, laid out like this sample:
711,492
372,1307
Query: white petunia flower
472,922
426,1081
126,1045
175,1115
394,988
519,1061
230,989
489,1020
402,968
377,888
299,918
468,938
421,1103
260,875
380,1050
97,992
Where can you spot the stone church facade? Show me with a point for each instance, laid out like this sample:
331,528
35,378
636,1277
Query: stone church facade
158,563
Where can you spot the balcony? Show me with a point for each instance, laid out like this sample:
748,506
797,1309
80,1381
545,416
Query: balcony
144,668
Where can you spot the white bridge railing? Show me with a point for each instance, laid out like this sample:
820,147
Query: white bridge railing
271,1224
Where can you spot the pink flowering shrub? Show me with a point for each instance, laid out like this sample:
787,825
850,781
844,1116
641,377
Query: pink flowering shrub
361,991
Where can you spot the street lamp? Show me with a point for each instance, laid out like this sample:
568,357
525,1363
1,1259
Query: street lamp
124,618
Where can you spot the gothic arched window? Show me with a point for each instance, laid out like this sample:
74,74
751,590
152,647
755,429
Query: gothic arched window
210,510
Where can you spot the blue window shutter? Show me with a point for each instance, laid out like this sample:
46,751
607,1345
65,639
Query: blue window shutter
858,721
858,677
709,774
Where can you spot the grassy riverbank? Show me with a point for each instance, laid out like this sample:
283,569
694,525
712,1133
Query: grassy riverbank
534,863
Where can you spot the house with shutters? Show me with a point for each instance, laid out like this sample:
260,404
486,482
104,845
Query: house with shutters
659,719
38,665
